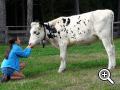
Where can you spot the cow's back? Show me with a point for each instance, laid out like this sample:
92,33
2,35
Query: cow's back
103,22
82,28
102,15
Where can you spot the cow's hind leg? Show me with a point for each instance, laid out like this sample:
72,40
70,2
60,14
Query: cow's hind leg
110,49
63,50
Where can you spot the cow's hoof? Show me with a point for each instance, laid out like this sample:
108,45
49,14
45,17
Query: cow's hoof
61,70
112,67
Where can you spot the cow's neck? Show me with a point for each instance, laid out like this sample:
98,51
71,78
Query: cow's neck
50,37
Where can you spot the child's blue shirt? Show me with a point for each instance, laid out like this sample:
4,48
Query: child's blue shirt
14,55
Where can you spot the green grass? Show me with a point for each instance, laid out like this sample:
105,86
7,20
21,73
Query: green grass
83,64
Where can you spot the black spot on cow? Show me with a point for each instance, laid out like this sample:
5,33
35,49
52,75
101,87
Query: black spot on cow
64,20
71,31
84,23
51,35
88,20
80,33
54,30
58,32
74,35
79,17
78,28
78,22
63,25
68,22
64,29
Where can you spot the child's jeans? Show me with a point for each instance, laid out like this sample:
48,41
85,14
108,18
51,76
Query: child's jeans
7,72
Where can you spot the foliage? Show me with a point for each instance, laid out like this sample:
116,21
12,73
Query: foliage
67,7
45,10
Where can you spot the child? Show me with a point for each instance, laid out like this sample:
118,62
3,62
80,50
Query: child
11,66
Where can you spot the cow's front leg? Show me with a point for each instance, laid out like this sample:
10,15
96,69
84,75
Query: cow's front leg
63,50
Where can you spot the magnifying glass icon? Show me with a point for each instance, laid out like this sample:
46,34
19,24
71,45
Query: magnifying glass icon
104,74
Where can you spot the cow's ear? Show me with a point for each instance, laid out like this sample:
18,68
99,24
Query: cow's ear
47,26
35,24
51,28
41,24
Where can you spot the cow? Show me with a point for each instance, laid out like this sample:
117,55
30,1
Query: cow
77,29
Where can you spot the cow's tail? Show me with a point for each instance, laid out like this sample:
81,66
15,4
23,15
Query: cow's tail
112,23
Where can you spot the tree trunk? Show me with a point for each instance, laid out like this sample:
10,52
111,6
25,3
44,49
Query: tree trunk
118,10
3,19
2,13
77,7
29,14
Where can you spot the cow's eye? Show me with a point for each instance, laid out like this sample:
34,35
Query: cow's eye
37,33
34,32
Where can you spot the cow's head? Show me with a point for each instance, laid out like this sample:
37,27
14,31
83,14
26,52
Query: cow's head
37,33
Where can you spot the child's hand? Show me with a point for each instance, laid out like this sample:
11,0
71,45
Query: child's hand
30,46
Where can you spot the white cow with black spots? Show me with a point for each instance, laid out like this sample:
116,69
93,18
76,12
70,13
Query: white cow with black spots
77,29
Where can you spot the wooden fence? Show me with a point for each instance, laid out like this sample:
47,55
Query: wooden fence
116,29
10,31
21,31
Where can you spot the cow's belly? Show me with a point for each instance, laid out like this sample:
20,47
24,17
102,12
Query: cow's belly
87,39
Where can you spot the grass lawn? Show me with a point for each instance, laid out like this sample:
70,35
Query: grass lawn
83,64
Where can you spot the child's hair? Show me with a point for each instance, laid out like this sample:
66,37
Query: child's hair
10,42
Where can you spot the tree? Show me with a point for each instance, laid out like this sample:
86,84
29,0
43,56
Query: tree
2,13
29,13
77,6
3,18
